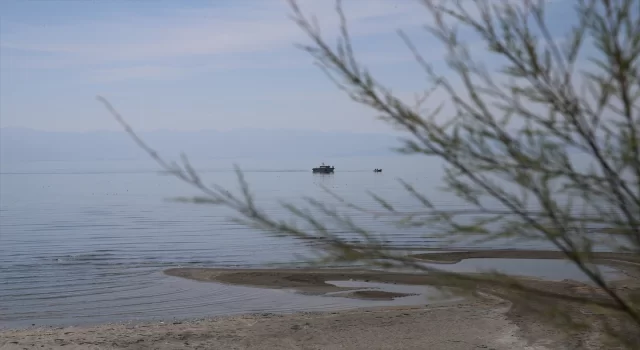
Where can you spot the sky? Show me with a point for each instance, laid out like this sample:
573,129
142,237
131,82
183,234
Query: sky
195,65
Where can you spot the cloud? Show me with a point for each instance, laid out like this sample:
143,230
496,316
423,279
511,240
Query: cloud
170,35
230,64
155,72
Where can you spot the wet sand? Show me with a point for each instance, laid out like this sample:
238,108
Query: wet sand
488,320
605,258
307,281
314,280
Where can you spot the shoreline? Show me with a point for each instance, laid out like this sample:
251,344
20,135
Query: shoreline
484,320
313,281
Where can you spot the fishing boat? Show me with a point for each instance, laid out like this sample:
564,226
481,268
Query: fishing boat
324,169
377,170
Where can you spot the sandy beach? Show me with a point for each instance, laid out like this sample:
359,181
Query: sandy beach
470,325
484,321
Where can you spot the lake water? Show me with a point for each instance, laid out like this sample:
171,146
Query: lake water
87,241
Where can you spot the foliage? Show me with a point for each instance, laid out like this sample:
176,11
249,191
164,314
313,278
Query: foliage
546,147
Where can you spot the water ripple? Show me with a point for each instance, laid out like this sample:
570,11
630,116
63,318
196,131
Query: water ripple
89,246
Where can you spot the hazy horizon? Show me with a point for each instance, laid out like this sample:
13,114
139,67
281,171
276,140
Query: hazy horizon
26,144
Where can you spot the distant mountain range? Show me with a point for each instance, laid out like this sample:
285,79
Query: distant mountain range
19,144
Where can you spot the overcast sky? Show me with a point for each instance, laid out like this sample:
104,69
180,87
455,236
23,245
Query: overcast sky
192,65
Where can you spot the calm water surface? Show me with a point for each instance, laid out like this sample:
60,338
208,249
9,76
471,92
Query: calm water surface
87,241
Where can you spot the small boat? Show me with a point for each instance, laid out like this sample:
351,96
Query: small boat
377,170
324,169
